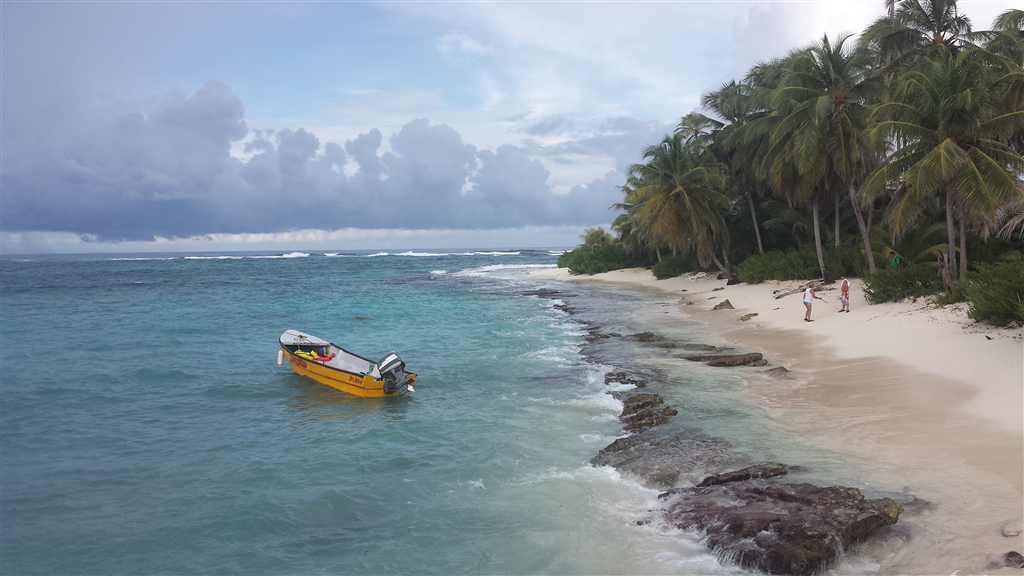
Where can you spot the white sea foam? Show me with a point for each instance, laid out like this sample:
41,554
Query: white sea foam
598,439
422,254
278,257
213,257
564,355
476,484
154,258
438,272
556,252
603,402
331,254
378,254
487,270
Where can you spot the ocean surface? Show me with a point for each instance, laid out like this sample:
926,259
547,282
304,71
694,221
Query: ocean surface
147,429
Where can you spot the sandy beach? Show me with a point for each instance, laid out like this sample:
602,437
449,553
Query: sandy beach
925,397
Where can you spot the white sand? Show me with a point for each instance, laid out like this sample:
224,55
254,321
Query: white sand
940,341
930,401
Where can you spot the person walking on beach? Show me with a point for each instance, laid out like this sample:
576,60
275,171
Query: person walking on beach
809,296
844,293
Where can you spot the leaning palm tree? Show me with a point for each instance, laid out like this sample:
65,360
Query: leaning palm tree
950,137
676,201
817,143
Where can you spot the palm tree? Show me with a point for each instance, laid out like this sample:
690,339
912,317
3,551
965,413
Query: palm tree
817,143
675,199
950,136
733,103
916,29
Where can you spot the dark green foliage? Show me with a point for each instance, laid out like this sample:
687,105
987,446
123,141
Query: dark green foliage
674,266
802,264
603,259
956,294
775,265
996,292
890,285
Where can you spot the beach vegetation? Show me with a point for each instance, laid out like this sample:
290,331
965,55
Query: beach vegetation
913,281
677,265
802,264
996,292
586,260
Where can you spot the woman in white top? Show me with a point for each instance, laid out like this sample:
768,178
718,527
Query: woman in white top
808,297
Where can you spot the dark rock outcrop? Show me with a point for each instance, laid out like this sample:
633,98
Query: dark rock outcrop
762,470
724,305
543,293
623,378
1013,560
698,347
564,308
779,528
699,357
746,317
647,337
644,411
659,460
747,359
777,371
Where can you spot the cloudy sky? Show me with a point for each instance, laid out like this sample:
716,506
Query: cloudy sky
139,126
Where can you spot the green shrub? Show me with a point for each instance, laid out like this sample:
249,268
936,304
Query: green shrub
996,292
792,265
956,294
890,285
603,259
802,264
674,266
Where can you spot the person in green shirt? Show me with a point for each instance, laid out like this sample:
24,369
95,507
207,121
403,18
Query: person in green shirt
895,260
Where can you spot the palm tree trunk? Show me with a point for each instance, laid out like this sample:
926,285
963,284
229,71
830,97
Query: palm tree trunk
757,230
658,252
837,219
950,231
863,230
963,251
817,241
721,267
725,258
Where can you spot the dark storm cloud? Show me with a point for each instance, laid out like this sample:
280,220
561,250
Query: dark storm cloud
128,174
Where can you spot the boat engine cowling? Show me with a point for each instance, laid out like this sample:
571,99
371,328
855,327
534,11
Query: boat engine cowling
392,372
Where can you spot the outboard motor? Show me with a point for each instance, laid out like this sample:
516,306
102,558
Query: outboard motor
392,372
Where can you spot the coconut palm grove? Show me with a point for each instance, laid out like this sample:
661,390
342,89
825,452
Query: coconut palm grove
893,155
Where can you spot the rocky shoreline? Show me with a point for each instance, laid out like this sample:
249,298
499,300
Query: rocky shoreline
745,512
795,529
744,517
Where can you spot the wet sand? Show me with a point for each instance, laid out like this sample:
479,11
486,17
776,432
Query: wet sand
921,400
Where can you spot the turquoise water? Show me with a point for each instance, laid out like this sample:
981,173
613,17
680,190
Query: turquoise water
147,429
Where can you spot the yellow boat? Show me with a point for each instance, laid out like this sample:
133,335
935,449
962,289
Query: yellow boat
336,367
